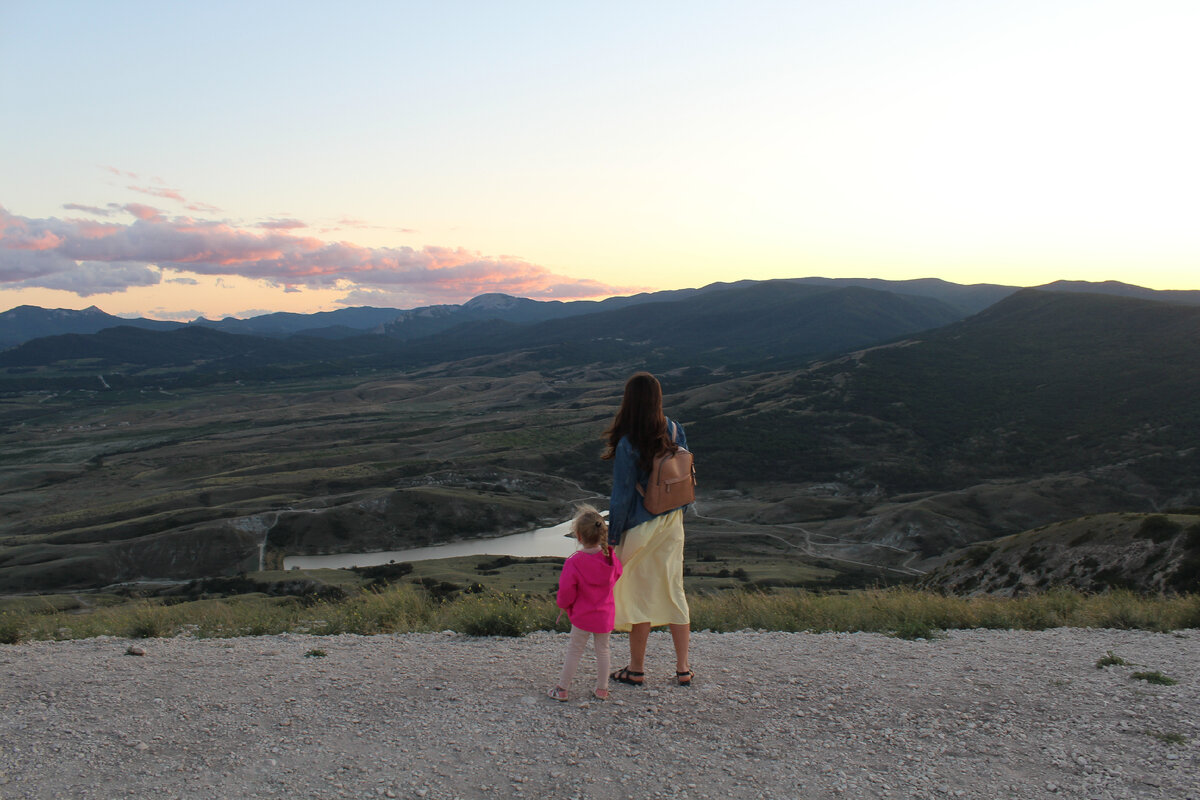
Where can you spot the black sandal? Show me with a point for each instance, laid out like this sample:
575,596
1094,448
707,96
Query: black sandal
626,675
685,678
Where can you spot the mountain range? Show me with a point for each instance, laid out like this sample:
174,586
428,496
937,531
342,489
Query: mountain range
23,323
785,321
725,324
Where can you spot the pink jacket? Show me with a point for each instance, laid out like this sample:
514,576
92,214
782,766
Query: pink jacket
585,590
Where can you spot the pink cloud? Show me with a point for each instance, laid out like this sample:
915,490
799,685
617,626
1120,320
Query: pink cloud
203,208
44,240
167,194
282,224
142,212
71,253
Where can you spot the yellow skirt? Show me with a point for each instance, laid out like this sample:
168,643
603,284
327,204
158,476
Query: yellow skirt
650,588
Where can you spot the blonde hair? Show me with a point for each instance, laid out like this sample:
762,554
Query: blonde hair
589,528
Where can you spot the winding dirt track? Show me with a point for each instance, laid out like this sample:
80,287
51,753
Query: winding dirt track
977,714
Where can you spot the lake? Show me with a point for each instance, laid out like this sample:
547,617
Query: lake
552,541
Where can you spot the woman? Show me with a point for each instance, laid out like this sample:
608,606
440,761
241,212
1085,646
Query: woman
650,592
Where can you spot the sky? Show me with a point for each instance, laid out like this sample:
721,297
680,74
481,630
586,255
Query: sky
173,160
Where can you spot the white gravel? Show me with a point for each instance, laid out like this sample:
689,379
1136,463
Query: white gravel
978,714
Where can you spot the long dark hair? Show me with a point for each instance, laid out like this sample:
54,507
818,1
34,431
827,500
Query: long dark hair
641,419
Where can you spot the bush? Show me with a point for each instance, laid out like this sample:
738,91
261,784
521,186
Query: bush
383,574
1155,677
498,615
979,554
1158,528
11,629
149,622
916,629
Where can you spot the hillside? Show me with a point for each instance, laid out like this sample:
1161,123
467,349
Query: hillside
1143,552
122,348
1045,407
769,321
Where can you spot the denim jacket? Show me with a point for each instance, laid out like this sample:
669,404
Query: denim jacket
625,509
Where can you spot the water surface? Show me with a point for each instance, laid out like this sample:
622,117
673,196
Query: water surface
553,541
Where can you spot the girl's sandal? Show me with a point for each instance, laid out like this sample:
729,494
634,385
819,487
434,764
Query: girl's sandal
557,693
626,675
685,678
600,694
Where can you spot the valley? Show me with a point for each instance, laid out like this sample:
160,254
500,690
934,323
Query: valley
860,467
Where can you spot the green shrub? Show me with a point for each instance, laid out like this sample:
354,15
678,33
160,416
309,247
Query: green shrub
916,629
1110,660
1158,528
499,615
1169,738
1154,677
11,628
1083,538
149,622
979,554
1032,559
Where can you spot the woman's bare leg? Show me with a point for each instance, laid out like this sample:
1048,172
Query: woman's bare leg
681,637
639,635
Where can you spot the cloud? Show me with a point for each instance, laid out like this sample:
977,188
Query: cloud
72,254
142,212
161,191
179,316
167,193
282,224
184,281
100,212
97,277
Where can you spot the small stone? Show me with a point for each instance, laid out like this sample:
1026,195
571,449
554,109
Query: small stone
134,650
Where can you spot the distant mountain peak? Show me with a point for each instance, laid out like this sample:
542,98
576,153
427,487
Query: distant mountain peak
492,300
1116,288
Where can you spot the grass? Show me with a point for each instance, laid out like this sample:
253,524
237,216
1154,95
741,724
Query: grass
1169,738
1110,660
1155,677
405,607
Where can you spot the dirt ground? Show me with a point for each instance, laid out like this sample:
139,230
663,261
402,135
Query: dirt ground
977,714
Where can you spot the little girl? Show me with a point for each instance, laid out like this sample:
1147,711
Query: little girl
585,592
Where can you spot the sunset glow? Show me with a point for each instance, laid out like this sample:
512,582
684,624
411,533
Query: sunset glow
232,159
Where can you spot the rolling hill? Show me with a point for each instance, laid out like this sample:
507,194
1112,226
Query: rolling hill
1141,552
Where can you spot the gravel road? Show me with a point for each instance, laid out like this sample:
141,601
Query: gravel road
977,714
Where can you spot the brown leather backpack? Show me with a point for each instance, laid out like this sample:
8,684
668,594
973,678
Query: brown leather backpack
672,481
